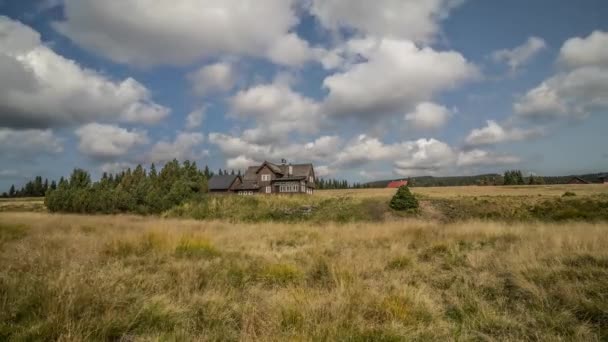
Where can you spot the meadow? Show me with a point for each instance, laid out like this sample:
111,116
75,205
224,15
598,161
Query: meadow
413,277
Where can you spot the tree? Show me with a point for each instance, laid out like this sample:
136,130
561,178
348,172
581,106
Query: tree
403,199
11,192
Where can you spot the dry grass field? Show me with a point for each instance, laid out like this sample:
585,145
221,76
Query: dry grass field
130,278
479,191
435,275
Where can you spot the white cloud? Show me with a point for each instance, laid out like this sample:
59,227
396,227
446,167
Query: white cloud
484,158
186,146
241,162
214,78
394,77
404,19
576,91
324,171
320,149
22,143
428,115
494,133
277,110
589,51
39,88
149,32
424,157
520,55
195,118
101,141
291,50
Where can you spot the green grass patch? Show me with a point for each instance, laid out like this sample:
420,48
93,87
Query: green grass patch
12,232
196,247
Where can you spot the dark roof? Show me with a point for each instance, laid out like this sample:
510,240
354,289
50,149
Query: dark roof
222,182
248,185
584,181
299,170
293,178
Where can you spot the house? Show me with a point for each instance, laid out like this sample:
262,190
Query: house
577,180
270,178
397,183
224,183
603,179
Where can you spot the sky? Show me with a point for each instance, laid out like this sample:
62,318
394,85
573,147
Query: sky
365,90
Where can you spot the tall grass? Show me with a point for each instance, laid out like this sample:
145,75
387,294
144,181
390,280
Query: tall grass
69,277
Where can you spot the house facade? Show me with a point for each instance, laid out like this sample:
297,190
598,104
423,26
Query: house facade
270,178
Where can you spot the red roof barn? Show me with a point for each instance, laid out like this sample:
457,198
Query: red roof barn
397,183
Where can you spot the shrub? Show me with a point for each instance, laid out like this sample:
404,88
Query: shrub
568,194
404,199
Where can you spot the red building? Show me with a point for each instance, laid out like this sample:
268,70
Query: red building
397,183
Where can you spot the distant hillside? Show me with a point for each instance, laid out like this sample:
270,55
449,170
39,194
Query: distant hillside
485,179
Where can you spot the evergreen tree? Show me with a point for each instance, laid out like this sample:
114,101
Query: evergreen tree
11,192
403,199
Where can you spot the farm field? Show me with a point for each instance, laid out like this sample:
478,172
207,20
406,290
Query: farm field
469,266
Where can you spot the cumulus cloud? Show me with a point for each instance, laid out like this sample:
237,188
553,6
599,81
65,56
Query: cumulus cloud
404,19
592,50
195,118
575,91
186,146
40,89
21,143
277,111
428,115
493,133
214,78
484,158
101,141
232,147
394,76
517,57
149,32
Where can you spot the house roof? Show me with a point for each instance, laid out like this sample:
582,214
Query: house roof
397,183
247,185
282,171
222,182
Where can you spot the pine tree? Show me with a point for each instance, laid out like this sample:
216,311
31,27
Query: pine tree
403,199
11,192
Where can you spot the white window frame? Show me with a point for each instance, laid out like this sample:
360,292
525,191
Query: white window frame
311,179
268,189
266,178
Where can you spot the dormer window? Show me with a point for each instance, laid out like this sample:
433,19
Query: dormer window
265,178
311,179
290,172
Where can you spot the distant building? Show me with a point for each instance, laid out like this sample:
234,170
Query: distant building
270,178
224,183
603,179
397,183
577,180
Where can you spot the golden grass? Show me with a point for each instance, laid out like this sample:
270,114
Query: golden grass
71,277
553,190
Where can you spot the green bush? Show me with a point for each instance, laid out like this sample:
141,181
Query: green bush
404,199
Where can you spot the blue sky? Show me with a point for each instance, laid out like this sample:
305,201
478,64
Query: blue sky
364,90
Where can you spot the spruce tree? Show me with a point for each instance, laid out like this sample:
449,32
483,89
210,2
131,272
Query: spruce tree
403,199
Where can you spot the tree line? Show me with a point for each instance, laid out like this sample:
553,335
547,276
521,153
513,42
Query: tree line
33,188
328,184
139,191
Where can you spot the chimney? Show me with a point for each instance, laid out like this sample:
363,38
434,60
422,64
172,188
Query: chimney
283,161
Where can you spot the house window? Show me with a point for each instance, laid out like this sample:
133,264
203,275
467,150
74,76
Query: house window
265,178
268,189
289,187
311,179
303,188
